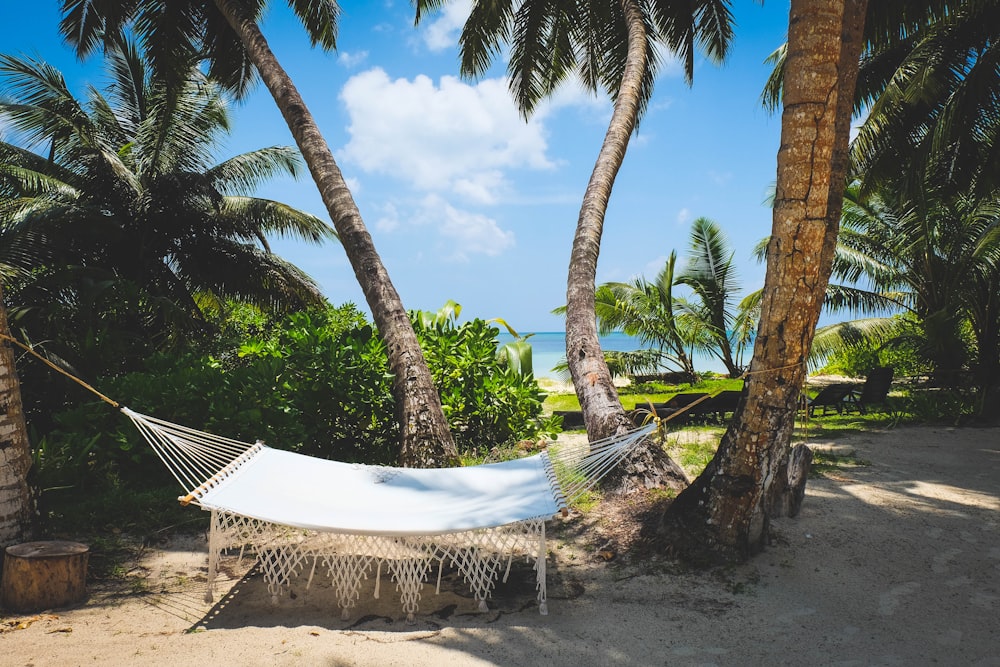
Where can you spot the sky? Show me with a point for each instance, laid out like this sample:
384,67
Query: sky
466,200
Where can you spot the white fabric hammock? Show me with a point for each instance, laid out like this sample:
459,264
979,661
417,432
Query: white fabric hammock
293,509
305,492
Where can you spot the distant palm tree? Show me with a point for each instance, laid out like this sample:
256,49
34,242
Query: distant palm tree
711,274
225,34
648,310
127,201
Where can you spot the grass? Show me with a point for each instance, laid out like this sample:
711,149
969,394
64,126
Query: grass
640,395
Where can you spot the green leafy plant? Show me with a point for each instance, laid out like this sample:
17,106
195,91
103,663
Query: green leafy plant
489,402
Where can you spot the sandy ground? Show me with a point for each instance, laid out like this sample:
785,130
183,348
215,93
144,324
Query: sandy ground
892,563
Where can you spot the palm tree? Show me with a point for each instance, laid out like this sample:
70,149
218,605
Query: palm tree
724,514
934,257
933,97
710,272
928,85
15,453
128,199
610,46
225,33
648,311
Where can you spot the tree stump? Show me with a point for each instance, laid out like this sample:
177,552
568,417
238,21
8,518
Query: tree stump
789,486
44,575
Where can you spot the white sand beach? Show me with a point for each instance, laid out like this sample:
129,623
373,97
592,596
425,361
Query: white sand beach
892,563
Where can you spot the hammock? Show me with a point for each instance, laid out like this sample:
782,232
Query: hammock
294,511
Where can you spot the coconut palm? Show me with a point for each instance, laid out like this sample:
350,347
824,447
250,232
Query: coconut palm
933,97
648,311
711,274
609,46
127,201
724,514
225,34
934,257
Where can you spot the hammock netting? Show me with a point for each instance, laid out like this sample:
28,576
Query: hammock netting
347,520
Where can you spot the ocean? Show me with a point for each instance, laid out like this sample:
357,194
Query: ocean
548,348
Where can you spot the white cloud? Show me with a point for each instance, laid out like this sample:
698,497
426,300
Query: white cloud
442,32
683,216
463,233
352,60
445,137
388,219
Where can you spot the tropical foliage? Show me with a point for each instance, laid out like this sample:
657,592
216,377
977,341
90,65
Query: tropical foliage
315,382
489,399
932,256
124,236
920,218
929,84
225,38
675,326
650,312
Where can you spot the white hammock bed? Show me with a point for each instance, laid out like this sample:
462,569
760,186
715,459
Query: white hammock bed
295,511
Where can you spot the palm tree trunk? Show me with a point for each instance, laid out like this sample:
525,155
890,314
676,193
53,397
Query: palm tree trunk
723,515
603,413
426,438
15,455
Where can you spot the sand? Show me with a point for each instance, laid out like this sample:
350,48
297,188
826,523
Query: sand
896,562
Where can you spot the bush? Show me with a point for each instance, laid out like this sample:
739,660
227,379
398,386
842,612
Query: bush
317,383
859,359
488,404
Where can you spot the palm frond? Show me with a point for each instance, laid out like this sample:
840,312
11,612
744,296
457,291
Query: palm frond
837,337
256,215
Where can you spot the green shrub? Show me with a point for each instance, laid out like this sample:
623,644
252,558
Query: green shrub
488,404
859,359
317,383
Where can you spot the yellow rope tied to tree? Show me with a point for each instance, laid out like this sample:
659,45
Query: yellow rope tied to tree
60,370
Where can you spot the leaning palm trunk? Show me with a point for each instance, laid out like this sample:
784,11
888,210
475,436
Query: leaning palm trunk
724,514
426,439
15,457
603,413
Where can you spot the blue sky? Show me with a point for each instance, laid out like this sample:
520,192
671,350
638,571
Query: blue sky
464,199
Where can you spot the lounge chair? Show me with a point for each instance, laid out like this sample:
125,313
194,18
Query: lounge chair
831,396
724,403
875,391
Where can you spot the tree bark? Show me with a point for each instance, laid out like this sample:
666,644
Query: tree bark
723,516
602,410
426,438
15,455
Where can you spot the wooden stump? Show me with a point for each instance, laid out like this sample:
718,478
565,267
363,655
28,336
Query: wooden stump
44,575
789,486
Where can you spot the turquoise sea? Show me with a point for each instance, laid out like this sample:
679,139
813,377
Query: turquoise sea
548,348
